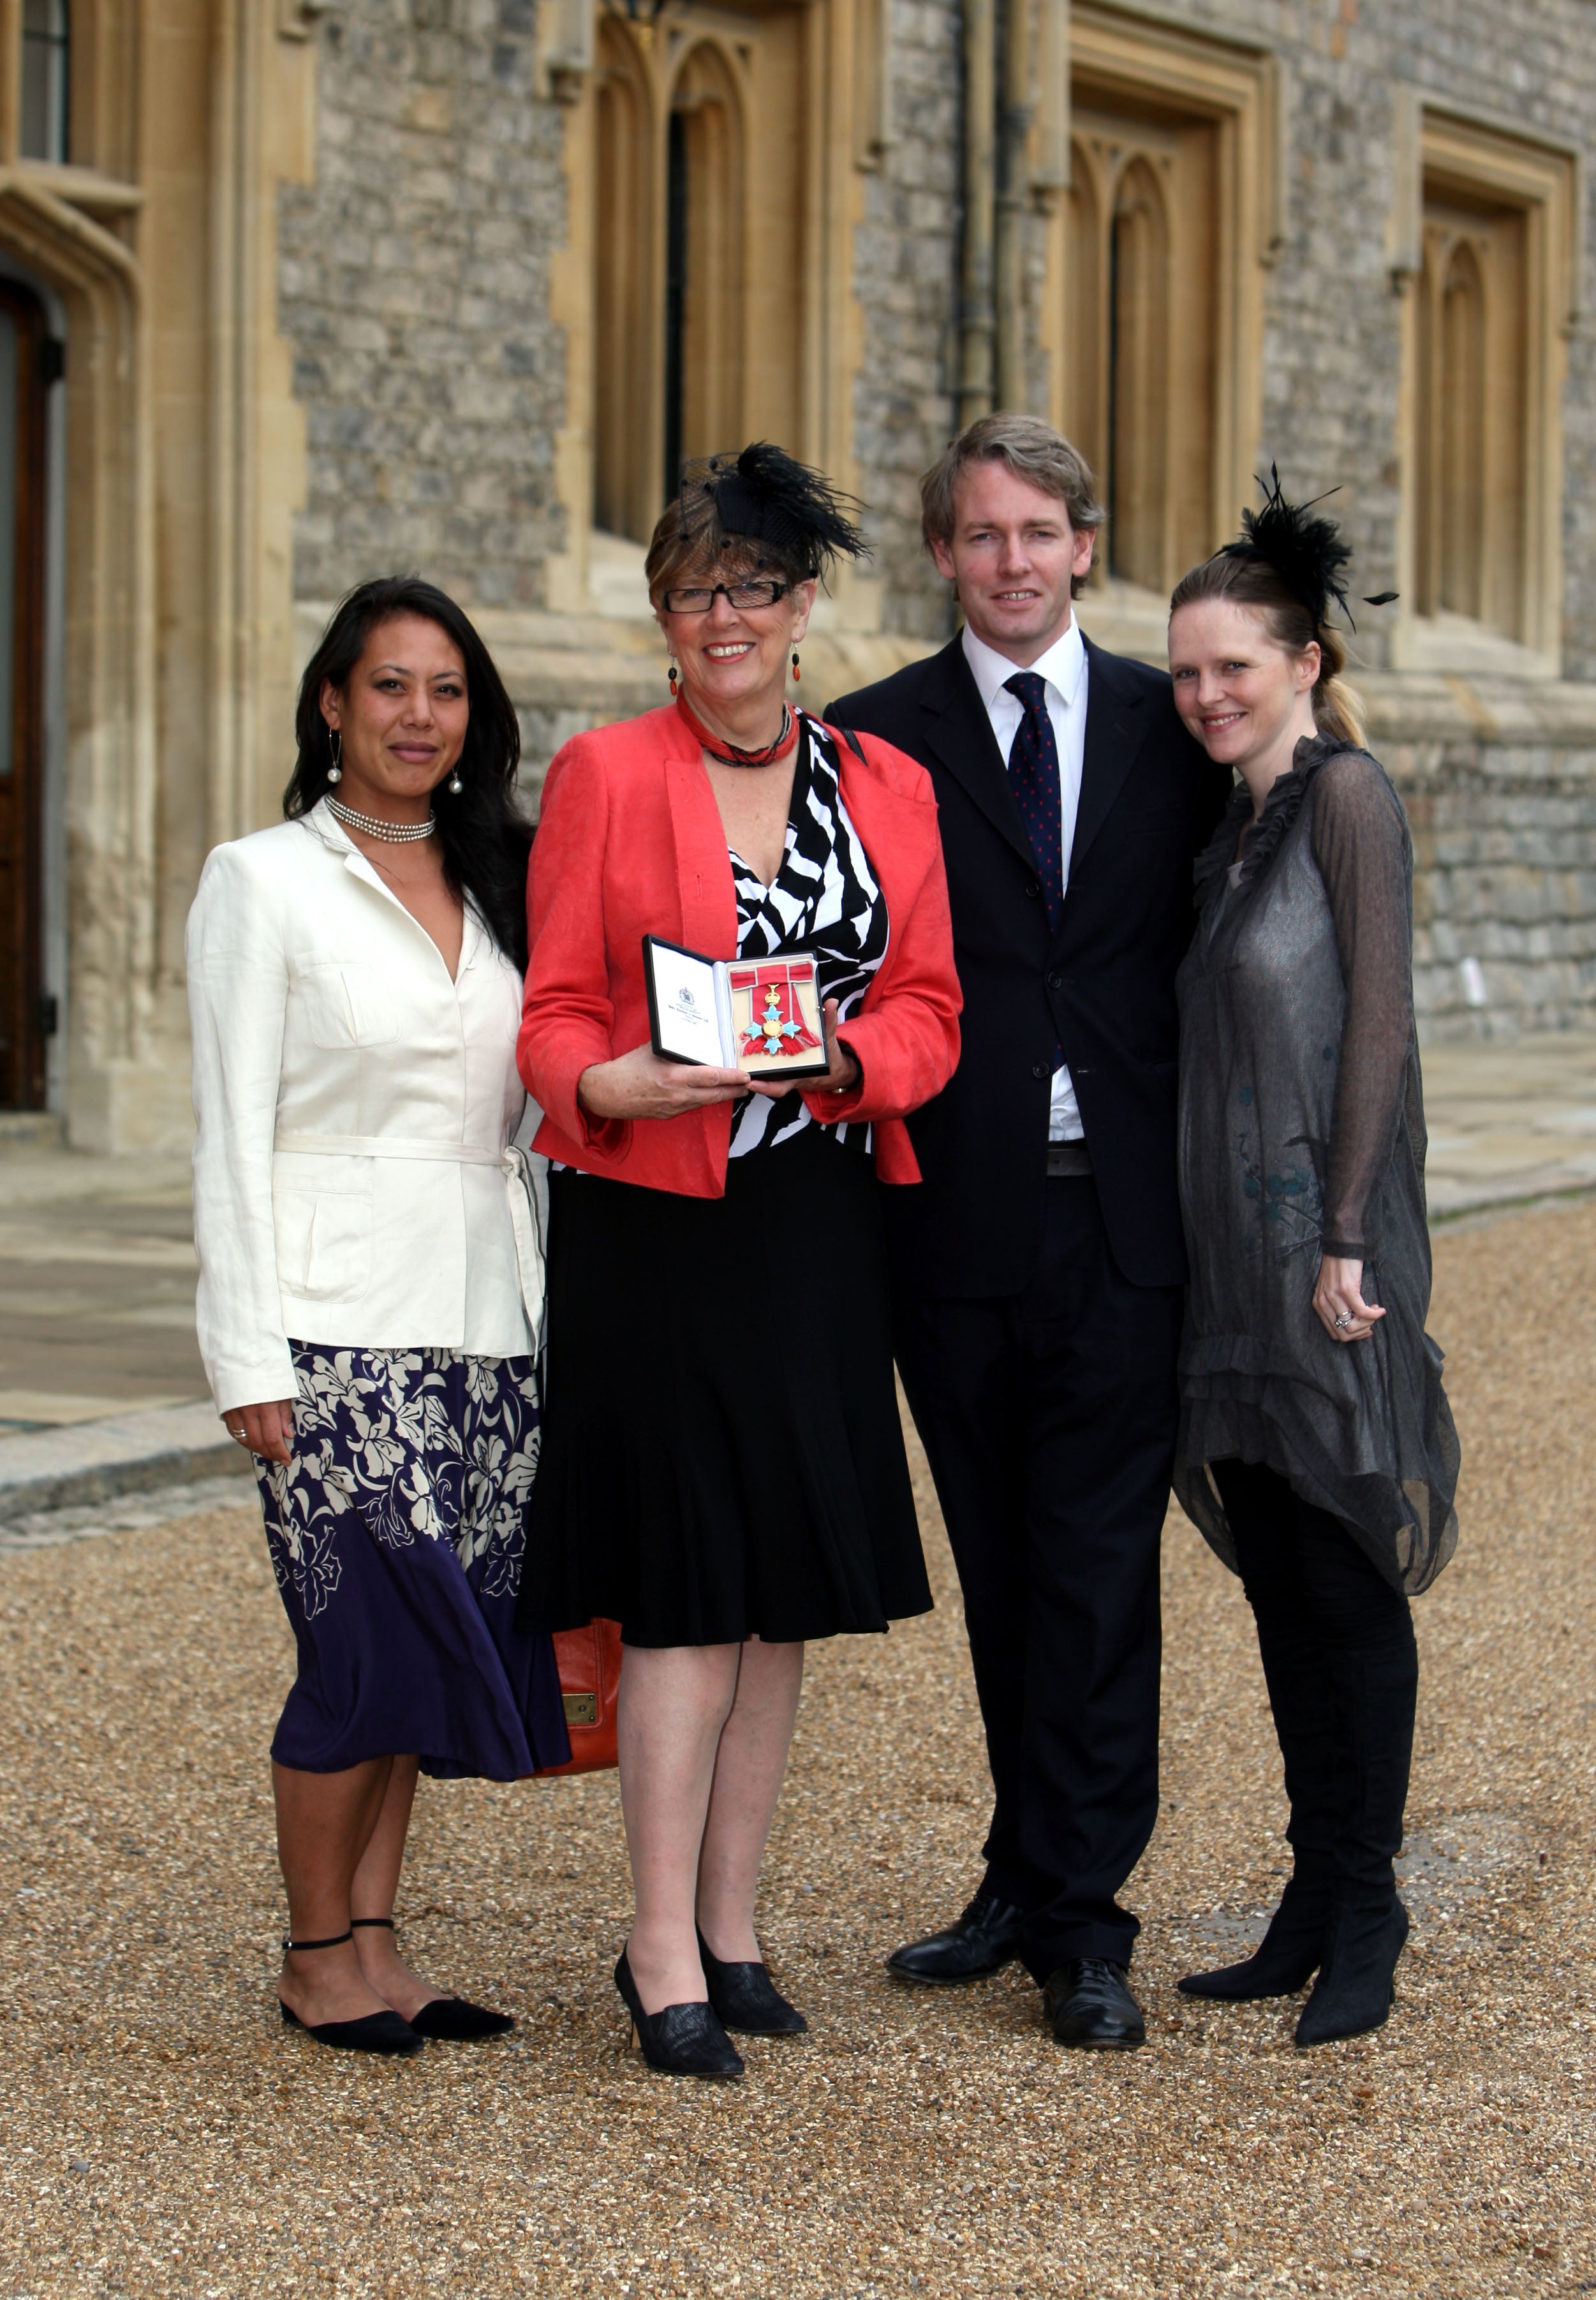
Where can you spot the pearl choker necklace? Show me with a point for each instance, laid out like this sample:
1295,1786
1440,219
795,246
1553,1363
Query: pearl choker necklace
371,825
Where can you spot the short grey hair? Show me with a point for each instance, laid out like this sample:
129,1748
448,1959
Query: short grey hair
1032,450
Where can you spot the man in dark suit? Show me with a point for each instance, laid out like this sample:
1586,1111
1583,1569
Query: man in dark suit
1038,1267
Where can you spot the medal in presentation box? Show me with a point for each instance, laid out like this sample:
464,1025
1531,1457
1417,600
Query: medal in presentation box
761,1015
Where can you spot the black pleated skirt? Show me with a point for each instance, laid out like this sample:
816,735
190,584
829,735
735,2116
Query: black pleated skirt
721,1456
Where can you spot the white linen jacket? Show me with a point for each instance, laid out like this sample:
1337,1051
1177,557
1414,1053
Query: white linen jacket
355,1179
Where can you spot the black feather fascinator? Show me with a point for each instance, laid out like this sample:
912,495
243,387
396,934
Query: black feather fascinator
1304,549
764,495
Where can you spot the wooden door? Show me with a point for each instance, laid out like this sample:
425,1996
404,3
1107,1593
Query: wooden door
24,1020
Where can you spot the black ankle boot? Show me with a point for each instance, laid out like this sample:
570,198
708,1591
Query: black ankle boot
1289,1953
1355,1990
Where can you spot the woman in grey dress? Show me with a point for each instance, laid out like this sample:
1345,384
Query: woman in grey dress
1316,1451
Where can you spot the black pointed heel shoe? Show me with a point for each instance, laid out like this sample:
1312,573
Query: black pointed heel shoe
1356,1985
378,2032
1283,1962
683,2040
746,1998
449,2019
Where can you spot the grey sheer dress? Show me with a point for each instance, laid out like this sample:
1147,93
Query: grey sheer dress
1302,1134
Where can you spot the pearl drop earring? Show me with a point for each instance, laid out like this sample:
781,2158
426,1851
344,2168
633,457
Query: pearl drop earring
454,782
335,773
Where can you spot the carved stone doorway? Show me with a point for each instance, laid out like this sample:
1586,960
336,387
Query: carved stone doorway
26,1020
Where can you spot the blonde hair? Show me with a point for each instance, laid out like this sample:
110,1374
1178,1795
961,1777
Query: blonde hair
1029,449
1246,581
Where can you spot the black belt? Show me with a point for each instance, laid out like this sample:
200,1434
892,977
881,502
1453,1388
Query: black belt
1071,1158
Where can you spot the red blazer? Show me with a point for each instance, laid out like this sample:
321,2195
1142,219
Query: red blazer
630,843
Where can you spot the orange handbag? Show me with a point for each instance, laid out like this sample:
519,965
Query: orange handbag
588,1662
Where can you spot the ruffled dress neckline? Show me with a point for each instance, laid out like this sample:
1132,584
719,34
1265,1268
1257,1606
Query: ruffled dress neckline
1211,871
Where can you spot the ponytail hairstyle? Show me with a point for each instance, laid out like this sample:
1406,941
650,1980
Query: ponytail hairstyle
1291,567
486,841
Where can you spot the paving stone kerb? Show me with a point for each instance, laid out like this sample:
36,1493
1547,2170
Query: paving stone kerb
132,1453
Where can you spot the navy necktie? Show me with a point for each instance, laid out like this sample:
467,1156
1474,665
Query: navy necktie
1033,770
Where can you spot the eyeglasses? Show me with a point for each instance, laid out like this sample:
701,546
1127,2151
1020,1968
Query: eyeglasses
697,601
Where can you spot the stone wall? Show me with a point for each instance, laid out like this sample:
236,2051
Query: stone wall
1499,785
415,292
414,287
906,257
1331,343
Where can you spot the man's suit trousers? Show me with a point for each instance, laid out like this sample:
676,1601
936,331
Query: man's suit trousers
1049,1418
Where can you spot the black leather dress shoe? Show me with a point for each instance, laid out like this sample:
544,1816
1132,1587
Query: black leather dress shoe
1091,2006
985,1938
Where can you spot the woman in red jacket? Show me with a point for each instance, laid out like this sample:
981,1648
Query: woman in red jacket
723,1467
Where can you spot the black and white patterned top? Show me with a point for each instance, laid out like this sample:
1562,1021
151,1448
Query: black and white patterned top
824,899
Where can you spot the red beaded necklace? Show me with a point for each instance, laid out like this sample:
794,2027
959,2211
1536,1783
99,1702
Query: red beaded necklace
728,754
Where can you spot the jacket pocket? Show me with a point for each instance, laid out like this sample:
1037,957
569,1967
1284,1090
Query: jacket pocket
323,1242
347,1006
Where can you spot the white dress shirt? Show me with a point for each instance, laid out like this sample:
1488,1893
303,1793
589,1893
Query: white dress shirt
1064,669
354,1182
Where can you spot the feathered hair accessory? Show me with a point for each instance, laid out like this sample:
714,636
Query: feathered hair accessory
765,496
1307,553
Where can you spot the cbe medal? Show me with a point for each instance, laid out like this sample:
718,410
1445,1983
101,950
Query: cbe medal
776,1011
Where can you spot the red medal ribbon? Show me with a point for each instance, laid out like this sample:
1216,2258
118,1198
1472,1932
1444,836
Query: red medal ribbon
728,754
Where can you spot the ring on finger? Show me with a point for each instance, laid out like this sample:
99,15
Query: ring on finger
1343,1321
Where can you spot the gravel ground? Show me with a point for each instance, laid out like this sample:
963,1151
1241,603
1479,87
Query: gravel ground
162,2135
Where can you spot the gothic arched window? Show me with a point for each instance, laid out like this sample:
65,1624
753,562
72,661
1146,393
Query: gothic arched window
699,281
46,80
704,262
623,472
1141,391
1469,512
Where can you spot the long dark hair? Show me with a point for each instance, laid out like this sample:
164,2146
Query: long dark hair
486,841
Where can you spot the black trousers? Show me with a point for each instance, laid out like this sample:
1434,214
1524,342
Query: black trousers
1049,1418
1336,1642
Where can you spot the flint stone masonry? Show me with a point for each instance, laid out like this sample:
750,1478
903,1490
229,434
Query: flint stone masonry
906,257
414,285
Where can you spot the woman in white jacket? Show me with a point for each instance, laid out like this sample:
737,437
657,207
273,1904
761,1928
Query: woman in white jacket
370,1282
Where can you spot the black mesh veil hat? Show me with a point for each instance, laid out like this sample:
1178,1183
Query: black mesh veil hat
765,496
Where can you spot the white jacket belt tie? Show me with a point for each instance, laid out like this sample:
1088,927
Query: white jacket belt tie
511,1160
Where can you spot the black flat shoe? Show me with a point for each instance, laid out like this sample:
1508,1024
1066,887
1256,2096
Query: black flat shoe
1090,2006
683,2040
376,2032
1286,1958
985,1938
456,2021
1356,1985
452,2020
746,1998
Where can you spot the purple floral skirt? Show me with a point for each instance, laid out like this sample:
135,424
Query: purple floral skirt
397,1532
